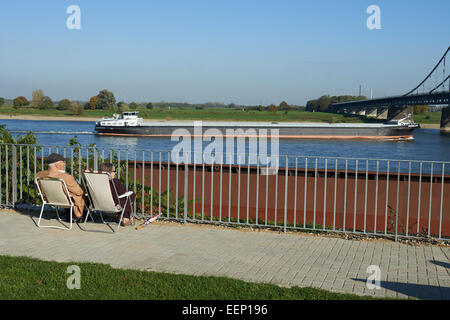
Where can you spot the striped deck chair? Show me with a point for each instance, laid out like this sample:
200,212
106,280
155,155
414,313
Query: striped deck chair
101,198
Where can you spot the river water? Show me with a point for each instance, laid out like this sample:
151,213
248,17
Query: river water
429,144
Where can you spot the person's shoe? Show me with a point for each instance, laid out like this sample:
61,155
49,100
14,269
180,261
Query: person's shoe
77,220
125,222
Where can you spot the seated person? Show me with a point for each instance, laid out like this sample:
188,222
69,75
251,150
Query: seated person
109,167
56,169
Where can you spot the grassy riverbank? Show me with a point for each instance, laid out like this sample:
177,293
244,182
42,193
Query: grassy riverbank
220,114
27,278
428,118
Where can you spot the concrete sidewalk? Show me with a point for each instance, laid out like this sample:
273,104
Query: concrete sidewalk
332,264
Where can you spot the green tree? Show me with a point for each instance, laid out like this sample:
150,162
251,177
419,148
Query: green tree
323,103
25,156
122,106
2,101
312,105
76,109
133,105
420,109
6,137
93,102
38,95
20,102
105,100
46,103
64,104
272,108
284,105
149,105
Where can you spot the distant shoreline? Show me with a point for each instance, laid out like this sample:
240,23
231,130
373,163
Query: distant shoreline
430,126
56,118
36,117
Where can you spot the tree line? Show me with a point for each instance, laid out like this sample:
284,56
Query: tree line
106,100
322,104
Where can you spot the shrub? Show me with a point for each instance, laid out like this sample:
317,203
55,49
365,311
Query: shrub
105,100
284,106
64,104
46,103
272,108
76,109
420,109
38,95
93,102
122,106
20,102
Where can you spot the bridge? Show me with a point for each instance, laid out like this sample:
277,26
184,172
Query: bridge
397,107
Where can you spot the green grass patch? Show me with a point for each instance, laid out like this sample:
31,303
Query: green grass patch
221,114
428,117
27,278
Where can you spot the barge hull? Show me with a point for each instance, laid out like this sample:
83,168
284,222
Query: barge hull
362,133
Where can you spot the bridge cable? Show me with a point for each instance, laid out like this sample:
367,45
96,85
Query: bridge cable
426,78
442,83
443,77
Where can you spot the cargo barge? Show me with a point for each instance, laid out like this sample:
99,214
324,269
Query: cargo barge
129,124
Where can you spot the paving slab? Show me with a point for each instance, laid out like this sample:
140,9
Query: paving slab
259,256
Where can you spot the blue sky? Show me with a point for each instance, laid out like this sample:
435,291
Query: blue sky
246,51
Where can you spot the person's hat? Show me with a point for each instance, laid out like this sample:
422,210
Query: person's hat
54,157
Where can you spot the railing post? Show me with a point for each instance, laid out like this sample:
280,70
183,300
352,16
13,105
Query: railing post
396,205
95,159
286,174
14,174
185,190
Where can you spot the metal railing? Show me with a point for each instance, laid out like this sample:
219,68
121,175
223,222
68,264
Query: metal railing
399,198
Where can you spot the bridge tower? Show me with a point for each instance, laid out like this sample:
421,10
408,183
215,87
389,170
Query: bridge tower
445,119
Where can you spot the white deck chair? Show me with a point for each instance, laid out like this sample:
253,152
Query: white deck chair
101,196
54,193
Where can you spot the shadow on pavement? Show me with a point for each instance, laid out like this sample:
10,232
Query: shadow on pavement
49,214
441,264
419,291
